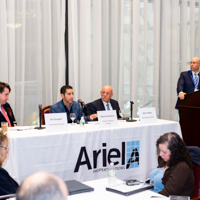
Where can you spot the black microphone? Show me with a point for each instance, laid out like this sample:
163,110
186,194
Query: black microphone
131,108
84,109
131,112
81,102
40,118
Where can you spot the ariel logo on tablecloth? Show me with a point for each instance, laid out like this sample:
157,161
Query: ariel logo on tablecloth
132,154
124,157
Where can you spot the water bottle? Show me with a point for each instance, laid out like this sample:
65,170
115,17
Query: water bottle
82,122
111,175
37,123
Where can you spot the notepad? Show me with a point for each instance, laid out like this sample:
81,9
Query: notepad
76,187
126,190
174,197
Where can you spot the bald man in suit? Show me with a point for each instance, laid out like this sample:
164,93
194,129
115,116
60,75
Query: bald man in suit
42,185
105,103
189,80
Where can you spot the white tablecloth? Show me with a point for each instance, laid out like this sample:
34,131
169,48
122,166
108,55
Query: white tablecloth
58,152
100,193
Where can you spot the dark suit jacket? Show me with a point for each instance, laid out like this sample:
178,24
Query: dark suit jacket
98,106
8,109
195,153
185,84
7,184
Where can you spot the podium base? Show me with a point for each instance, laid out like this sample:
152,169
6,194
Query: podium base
39,128
131,120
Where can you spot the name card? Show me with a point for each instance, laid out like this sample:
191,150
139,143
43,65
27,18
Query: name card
107,119
147,115
56,121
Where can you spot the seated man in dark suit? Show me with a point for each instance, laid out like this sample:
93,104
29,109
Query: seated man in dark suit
189,80
105,103
68,105
6,113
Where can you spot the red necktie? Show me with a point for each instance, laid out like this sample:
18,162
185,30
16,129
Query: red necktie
6,116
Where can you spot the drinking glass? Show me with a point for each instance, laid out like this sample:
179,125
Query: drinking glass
73,117
4,127
121,113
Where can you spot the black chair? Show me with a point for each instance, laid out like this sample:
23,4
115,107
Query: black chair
44,110
195,153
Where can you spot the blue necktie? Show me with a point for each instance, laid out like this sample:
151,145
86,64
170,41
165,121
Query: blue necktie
196,81
108,108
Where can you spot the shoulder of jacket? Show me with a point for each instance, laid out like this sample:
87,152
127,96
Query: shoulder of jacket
7,104
75,103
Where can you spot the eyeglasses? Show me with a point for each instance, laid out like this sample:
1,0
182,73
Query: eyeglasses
6,148
193,62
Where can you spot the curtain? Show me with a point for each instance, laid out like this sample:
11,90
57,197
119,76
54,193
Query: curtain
96,47
139,47
32,55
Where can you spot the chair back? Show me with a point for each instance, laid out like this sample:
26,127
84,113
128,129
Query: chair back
44,110
8,196
195,154
196,191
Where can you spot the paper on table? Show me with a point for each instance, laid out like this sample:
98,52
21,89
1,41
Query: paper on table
93,122
158,198
20,128
122,187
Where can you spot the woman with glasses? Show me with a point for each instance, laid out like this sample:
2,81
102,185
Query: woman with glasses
7,184
174,175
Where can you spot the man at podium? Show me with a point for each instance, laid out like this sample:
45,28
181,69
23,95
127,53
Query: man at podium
189,80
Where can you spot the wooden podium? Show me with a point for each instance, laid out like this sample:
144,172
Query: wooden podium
189,112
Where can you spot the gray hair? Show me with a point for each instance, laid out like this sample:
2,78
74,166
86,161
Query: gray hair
42,186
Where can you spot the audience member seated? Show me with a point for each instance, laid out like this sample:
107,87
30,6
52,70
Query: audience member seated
68,105
195,154
42,186
6,113
7,184
174,176
105,103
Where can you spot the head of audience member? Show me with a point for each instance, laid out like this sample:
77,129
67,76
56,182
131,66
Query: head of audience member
3,147
195,64
4,92
42,186
67,94
106,93
172,149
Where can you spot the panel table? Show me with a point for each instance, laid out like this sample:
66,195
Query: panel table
83,153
